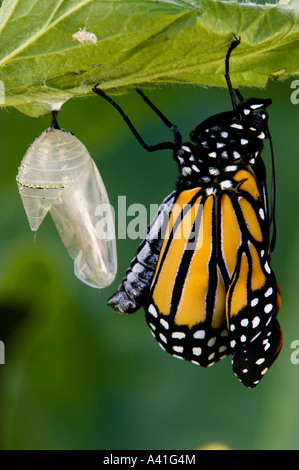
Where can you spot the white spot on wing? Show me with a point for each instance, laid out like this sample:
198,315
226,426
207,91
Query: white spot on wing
178,349
226,184
214,171
267,346
268,308
200,334
262,213
163,338
153,311
164,323
212,341
178,335
269,292
211,191
260,361
186,171
267,267
224,333
230,168
196,351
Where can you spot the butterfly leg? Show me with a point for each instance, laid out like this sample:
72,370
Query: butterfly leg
149,148
176,134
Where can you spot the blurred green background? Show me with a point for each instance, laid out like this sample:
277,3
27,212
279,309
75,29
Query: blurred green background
79,376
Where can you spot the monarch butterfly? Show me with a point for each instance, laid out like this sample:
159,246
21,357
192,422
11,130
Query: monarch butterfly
58,175
211,292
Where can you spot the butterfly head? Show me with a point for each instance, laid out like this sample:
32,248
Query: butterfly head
252,113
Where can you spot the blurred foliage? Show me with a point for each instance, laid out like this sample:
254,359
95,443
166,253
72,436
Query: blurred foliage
77,375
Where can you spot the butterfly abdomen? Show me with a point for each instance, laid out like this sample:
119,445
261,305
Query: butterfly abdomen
133,291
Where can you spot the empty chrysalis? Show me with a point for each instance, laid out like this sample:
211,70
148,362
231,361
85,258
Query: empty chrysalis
58,175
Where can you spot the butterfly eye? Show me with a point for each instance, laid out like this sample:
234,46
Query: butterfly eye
58,175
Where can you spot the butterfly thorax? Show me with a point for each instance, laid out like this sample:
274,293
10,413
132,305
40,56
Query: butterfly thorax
223,144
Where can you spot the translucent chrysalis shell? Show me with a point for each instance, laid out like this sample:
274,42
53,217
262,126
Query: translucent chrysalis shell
58,175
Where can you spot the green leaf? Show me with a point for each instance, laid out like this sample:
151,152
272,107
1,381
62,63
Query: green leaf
53,50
